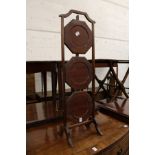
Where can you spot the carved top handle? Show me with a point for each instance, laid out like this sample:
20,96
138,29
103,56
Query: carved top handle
77,12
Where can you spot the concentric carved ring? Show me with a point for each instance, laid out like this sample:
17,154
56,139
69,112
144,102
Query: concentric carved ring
78,73
78,37
79,106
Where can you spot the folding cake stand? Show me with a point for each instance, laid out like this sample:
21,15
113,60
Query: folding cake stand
79,107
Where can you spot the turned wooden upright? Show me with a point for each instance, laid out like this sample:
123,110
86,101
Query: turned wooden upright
79,107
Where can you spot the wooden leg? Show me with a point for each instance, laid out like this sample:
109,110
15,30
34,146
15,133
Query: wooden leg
68,135
60,86
44,75
42,83
122,82
119,82
45,86
54,86
101,84
97,128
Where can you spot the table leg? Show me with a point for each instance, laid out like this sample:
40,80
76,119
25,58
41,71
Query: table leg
120,84
60,85
54,86
45,85
44,76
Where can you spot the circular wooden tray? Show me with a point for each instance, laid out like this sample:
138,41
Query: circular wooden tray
78,37
78,73
79,107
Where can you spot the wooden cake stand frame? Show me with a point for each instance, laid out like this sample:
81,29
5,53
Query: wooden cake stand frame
79,108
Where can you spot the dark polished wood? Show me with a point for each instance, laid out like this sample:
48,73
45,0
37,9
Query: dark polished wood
43,67
79,106
111,73
30,84
77,12
41,113
44,140
56,68
118,108
78,73
78,37
39,66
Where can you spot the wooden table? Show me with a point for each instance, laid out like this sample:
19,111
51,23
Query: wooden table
43,67
55,68
44,140
110,64
114,105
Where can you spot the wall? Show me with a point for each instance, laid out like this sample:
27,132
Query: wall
43,28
